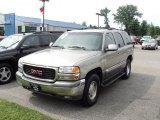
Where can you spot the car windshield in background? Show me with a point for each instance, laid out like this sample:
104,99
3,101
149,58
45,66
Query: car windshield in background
80,40
11,41
146,37
149,41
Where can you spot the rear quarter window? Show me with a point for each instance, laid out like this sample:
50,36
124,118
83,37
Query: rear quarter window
45,39
126,38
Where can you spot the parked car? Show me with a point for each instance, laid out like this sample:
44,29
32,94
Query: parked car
135,39
158,40
145,38
16,46
150,44
2,37
77,64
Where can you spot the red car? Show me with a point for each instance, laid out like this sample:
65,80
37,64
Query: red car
135,39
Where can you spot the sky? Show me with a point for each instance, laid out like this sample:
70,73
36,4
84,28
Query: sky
80,10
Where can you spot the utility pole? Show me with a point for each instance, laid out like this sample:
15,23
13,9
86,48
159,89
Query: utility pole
43,12
98,18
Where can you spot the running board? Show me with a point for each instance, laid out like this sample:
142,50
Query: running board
111,81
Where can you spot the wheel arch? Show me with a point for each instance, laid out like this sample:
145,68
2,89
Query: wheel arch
97,71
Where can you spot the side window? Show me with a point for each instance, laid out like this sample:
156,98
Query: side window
31,41
45,39
57,35
109,39
119,40
127,38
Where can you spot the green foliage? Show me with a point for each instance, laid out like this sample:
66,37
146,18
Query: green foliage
126,14
12,111
134,28
93,27
144,28
104,12
1,31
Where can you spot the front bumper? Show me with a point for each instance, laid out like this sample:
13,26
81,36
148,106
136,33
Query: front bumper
65,89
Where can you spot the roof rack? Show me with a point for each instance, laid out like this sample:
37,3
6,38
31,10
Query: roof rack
40,32
114,29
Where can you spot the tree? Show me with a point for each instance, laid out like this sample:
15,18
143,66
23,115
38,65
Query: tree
125,15
157,30
152,30
134,27
93,26
104,12
84,23
144,27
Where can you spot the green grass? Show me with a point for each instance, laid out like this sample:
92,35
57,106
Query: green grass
12,111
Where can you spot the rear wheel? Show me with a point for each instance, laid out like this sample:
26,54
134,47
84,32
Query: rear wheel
91,90
6,73
127,69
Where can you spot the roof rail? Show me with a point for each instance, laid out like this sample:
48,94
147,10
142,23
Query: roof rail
40,32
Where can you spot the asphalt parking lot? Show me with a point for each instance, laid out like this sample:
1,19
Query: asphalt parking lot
135,99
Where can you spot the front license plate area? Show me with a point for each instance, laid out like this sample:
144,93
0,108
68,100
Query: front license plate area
35,87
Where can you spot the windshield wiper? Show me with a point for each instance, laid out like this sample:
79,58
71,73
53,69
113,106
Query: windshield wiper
77,47
56,46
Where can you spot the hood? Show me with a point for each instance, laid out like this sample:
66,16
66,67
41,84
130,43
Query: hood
57,57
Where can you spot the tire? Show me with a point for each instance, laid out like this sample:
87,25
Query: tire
127,69
91,90
6,73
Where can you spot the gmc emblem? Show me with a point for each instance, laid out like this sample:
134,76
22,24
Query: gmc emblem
36,72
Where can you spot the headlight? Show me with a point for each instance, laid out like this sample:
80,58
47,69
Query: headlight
69,70
20,67
69,73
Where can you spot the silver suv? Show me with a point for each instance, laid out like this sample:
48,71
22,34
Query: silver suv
78,64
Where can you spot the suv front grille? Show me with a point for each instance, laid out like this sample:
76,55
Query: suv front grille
39,72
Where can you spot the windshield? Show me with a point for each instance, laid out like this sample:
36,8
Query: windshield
11,41
146,37
80,40
149,41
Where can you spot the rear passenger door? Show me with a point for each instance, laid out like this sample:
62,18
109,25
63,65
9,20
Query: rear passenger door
121,53
45,41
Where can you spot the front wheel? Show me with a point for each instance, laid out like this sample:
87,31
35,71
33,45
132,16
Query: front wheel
91,90
127,70
6,73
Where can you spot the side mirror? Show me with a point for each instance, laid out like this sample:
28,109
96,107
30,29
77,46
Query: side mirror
24,47
51,44
112,47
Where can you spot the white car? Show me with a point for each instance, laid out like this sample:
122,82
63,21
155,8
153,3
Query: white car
150,44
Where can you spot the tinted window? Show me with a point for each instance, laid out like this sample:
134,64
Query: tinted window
56,35
31,41
119,39
45,39
127,38
109,39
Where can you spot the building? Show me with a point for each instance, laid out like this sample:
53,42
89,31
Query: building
11,24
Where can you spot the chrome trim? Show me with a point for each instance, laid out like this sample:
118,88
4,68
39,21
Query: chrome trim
39,79
67,89
116,66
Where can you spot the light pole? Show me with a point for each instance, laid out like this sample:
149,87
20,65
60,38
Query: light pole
98,18
43,12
